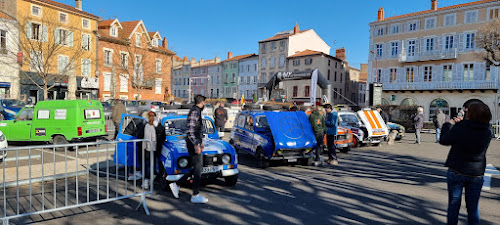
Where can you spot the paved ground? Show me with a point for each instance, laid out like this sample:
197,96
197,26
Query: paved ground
400,184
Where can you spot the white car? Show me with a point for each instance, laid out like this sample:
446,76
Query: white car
3,144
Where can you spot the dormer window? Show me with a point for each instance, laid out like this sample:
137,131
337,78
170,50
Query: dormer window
113,32
154,42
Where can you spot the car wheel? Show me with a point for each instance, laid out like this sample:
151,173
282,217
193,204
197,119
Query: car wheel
60,140
355,142
345,150
262,161
231,180
307,162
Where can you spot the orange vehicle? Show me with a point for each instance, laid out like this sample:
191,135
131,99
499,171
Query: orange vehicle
344,140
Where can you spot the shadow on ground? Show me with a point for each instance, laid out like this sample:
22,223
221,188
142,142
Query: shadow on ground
352,193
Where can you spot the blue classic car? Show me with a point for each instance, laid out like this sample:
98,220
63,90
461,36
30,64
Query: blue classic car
285,136
10,107
219,157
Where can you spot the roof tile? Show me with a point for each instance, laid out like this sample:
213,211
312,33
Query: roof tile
239,57
68,7
277,37
439,9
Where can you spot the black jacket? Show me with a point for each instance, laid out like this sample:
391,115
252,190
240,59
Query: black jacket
469,141
220,117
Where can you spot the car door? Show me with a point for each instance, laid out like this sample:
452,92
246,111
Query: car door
247,134
21,127
238,130
131,127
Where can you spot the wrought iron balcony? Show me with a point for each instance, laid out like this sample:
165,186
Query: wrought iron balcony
440,85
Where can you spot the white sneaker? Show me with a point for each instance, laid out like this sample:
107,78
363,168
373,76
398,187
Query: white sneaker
198,199
136,176
175,189
145,184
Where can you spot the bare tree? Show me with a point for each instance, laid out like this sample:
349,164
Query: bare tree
49,53
139,65
489,40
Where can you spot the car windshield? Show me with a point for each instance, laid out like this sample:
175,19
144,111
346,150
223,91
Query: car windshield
179,127
261,122
349,119
13,103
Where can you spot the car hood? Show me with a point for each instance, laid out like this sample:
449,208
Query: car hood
291,130
12,110
211,146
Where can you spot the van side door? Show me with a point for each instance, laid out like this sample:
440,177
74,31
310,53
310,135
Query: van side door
21,128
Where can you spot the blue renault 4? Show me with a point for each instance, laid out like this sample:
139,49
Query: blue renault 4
219,157
274,136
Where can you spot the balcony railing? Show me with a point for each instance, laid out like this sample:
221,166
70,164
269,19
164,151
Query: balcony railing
429,55
452,85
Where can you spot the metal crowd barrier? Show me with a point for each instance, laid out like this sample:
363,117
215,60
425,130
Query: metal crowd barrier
50,178
496,128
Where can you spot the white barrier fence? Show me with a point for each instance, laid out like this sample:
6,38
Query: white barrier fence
50,178
496,129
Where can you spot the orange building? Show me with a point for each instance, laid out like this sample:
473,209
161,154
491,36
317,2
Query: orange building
133,63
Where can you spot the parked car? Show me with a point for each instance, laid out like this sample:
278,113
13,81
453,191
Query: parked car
107,110
148,105
3,145
366,125
219,157
279,136
10,108
344,140
57,122
397,127
131,106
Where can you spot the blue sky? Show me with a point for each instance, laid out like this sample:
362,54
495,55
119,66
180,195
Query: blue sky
201,28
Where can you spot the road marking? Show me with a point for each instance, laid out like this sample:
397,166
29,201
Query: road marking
51,151
95,151
490,171
23,158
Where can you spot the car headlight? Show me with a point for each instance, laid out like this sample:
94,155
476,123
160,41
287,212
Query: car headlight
182,163
2,137
226,159
348,136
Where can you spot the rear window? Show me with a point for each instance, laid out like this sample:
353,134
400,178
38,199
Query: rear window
92,114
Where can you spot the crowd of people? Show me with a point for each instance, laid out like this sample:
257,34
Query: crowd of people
466,159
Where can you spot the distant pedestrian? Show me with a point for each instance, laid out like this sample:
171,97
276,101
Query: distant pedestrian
439,120
318,125
466,161
331,122
194,143
220,116
116,115
418,123
383,114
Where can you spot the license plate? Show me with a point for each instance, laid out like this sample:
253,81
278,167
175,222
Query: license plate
292,160
342,145
93,131
210,169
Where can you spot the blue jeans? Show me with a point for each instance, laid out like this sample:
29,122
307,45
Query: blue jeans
456,183
438,134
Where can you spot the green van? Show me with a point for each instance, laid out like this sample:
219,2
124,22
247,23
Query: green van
57,122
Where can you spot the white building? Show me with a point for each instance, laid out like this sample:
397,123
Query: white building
9,47
430,58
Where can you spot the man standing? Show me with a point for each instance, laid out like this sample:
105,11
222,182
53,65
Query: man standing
383,114
220,116
195,147
116,115
331,123
439,120
318,125
418,123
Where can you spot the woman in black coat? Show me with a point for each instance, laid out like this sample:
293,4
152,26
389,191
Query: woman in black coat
469,139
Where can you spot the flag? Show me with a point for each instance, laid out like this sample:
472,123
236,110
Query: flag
242,98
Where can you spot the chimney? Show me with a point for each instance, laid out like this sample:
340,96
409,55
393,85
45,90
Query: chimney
381,14
229,55
217,59
164,43
296,29
340,53
201,60
193,60
185,59
434,5
78,5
